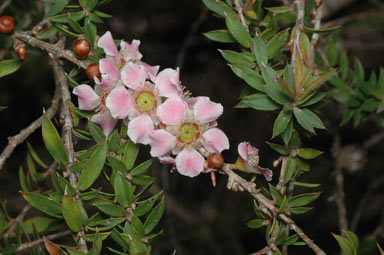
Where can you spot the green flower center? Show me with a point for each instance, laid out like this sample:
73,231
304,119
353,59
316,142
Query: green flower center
189,132
145,101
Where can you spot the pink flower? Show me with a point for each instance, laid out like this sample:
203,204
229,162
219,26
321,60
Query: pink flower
188,127
249,156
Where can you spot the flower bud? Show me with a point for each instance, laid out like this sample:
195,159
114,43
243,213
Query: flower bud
21,50
93,70
81,48
215,161
7,24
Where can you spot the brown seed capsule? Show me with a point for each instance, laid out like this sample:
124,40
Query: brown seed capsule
313,13
81,48
7,24
215,160
318,2
92,71
21,50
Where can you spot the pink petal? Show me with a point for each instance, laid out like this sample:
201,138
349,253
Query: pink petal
87,97
119,102
106,42
140,128
264,171
107,66
151,71
161,143
130,52
167,160
215,140
168,83
133,75
243,150
172,111
189,162
105,121
106,84
206,111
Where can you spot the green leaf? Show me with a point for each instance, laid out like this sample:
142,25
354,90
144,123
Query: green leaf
281,122
260,102
38,224
354,239
275,194
91,4
322,31
280,149
287,89
308,153
43,203
94,18
312,99
35,156
108,207
237,30
117,165
56,8
347,117
130,154
251,77
344,65
380,82
65,185
154,217
257,223
123,190
280,9
222,35
74,25
332,54
273,88
238,58
65,30
142,168
300,210
287,133
319,81
64,18
219,8
143,207
261,52
308,185
97,244
90,32
290,169
9,66
53,141
303,199
71,213
305,46
277,42
304,118
102,14
345,245
23,180
93,168
370,105
96,132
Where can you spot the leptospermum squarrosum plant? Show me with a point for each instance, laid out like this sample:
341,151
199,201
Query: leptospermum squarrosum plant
127,102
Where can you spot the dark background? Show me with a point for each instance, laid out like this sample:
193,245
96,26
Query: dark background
214,221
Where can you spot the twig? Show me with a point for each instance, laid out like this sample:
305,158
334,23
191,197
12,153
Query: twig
17,220
51,48
235,182
189,39
300,6
341,210
239,9
20,137
272,241
280,185
362,204
373,140
376,233
27,246
315,36
4,5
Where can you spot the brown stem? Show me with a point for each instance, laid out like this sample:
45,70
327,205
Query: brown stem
300,6
51,48
315,36
280,185
239,9
17,220
20,137
27,246
341,210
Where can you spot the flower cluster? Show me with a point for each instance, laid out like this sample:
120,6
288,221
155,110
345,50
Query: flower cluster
152,104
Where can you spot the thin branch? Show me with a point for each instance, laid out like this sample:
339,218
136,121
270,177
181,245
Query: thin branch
315,36
280,185
239,9
341,209
27,246
373,140
4,5
17,220
362,204
51,48
20,137
300,6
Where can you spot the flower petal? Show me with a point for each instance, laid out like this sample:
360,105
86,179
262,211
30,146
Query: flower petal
151,71
264,171
130,52
133,75
167,160
168,83
106,42
140,128
107,66
161,143
206,111
215,140
105,121
172,111
243,150
87,97
189,162
119,102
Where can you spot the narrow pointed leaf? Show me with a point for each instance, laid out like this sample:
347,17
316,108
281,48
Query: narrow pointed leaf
223,36
56,8
142,168
319,81
257,223
130,154
9,66
71,213
238,58
260,102
279,148
53,141
308,153
43,203
303,199
219,7
281,122
345,245
277,42
251,77
154,217
280,9
123,190
237,30
322,31
261,52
